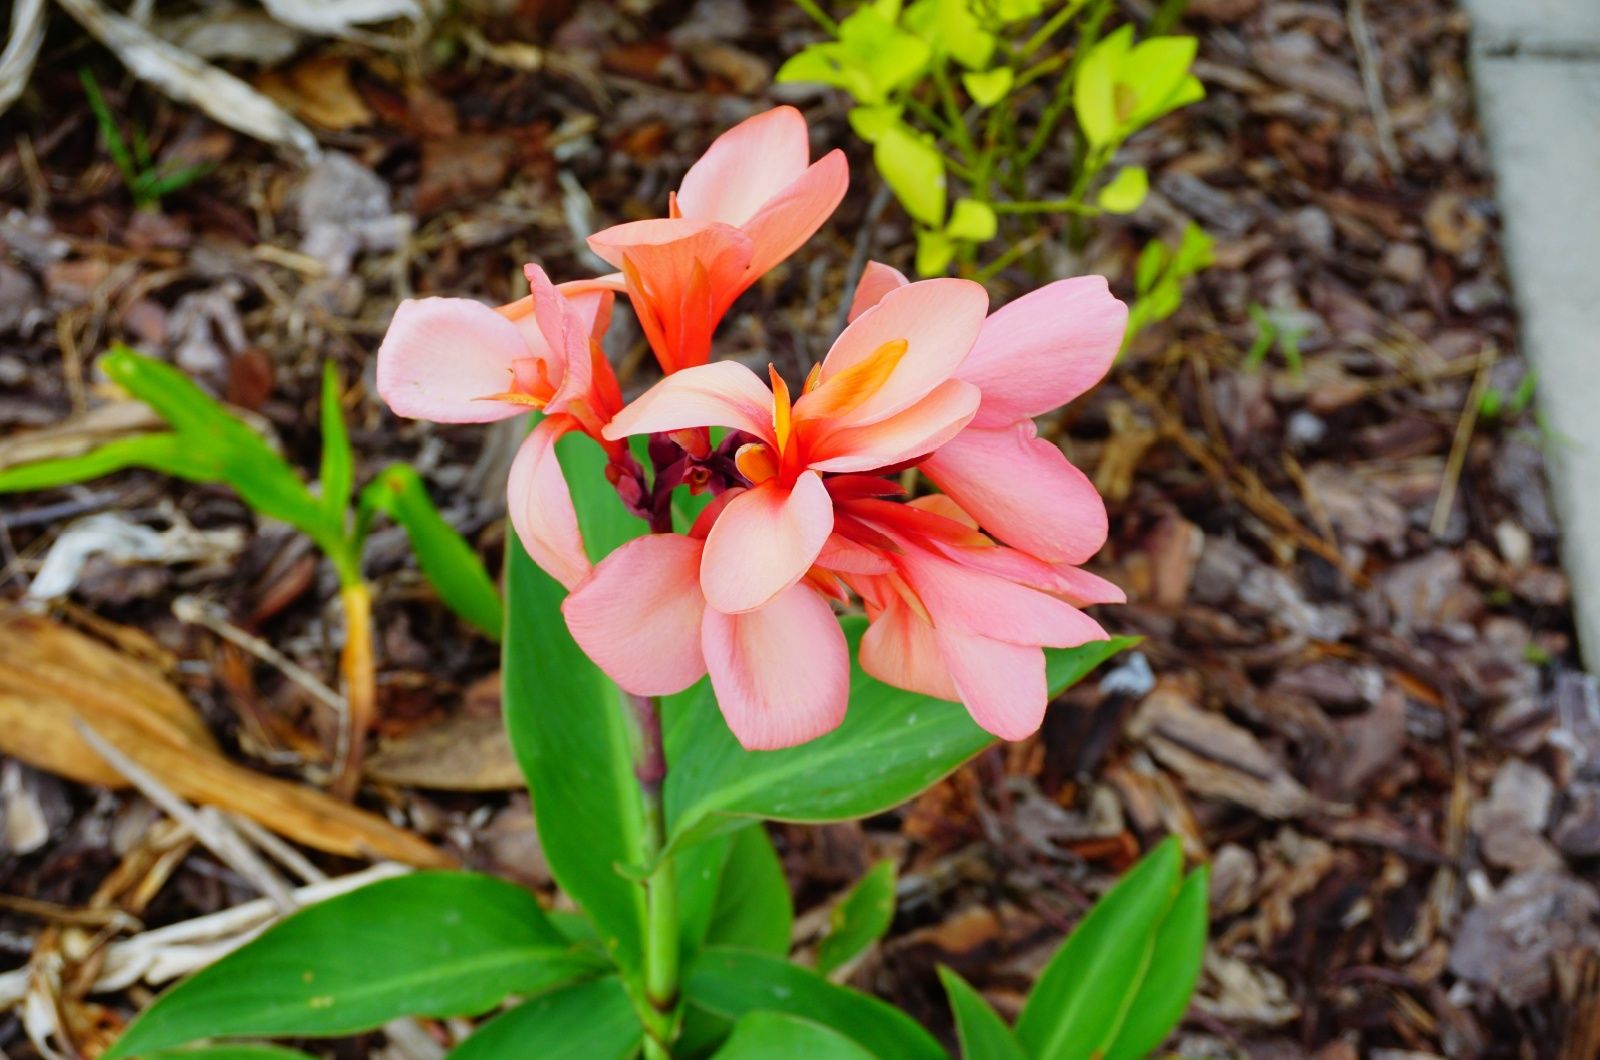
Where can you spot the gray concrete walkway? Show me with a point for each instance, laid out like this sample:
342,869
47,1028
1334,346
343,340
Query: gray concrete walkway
1536,66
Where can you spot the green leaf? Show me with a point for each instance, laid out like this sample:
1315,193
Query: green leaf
164,451
860,919
972,221
870,121
586,1021
1152,260
569,725
732,983
914,168
429,944
934,252
237,1051
983,1035
338,462
753,909
446,558
1178,952
778,1036
1094,91
1157,72
1081,999
950,28
989,86
892,745
1125,191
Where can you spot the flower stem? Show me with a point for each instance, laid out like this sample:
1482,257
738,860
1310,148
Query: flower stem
661,888
360,684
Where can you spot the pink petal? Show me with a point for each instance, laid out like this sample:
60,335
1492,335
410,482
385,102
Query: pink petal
764,541
1044,349
904,436
540,505
1081,588
746,167
849,557
963,599
900,649
793,215
566,333
724,394
638,615
877,280
1003,686
782,672
442,356
1023,490
938,319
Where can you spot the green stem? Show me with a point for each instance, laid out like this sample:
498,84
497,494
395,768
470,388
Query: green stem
1048,30
661,889
1063,97
1072,205
819,16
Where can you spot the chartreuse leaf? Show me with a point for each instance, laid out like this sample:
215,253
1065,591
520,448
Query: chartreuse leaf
1094,90
779,1036
429,944
585,1021
164,451
951,28
972,220
892,745
240,1051
1081,1000
870,121
1177,954
446,559
934,251
988,87
338,462
732,892
983,1035
913,167
860,919
732,983
569,726
1125,191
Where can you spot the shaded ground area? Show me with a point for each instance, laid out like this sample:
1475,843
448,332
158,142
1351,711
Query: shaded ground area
1358,697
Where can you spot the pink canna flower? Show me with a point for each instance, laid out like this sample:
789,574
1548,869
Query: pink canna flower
1034,355
454,360
883,396
747,204
952,614
781,672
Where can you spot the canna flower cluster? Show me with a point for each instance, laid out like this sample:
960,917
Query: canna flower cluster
963,588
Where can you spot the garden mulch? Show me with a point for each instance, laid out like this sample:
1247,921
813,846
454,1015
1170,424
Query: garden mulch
1358,697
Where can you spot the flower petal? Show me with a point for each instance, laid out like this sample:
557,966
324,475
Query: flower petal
638,615
900,649
541,508
781,673
793,215
965,599
724,394
1023,490
746,167
1003,686
764,541
904,436
1044,349
442,356
937,319
877,280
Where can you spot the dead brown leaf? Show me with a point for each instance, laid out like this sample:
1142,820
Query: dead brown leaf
319,90
462,753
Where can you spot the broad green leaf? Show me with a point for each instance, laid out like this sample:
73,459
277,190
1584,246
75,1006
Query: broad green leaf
237,1051
870,121
569,724
165,452
1178,952
448,561
871,59
753,908
934,252
1194,251
1084,992
732,983
988,87
972,220
428,944
586,1021
1157,73
263,479
1094,91
951,28
914,168
1152,260
892,745
338,462
1125,191
983,1035
860,919
778,1036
